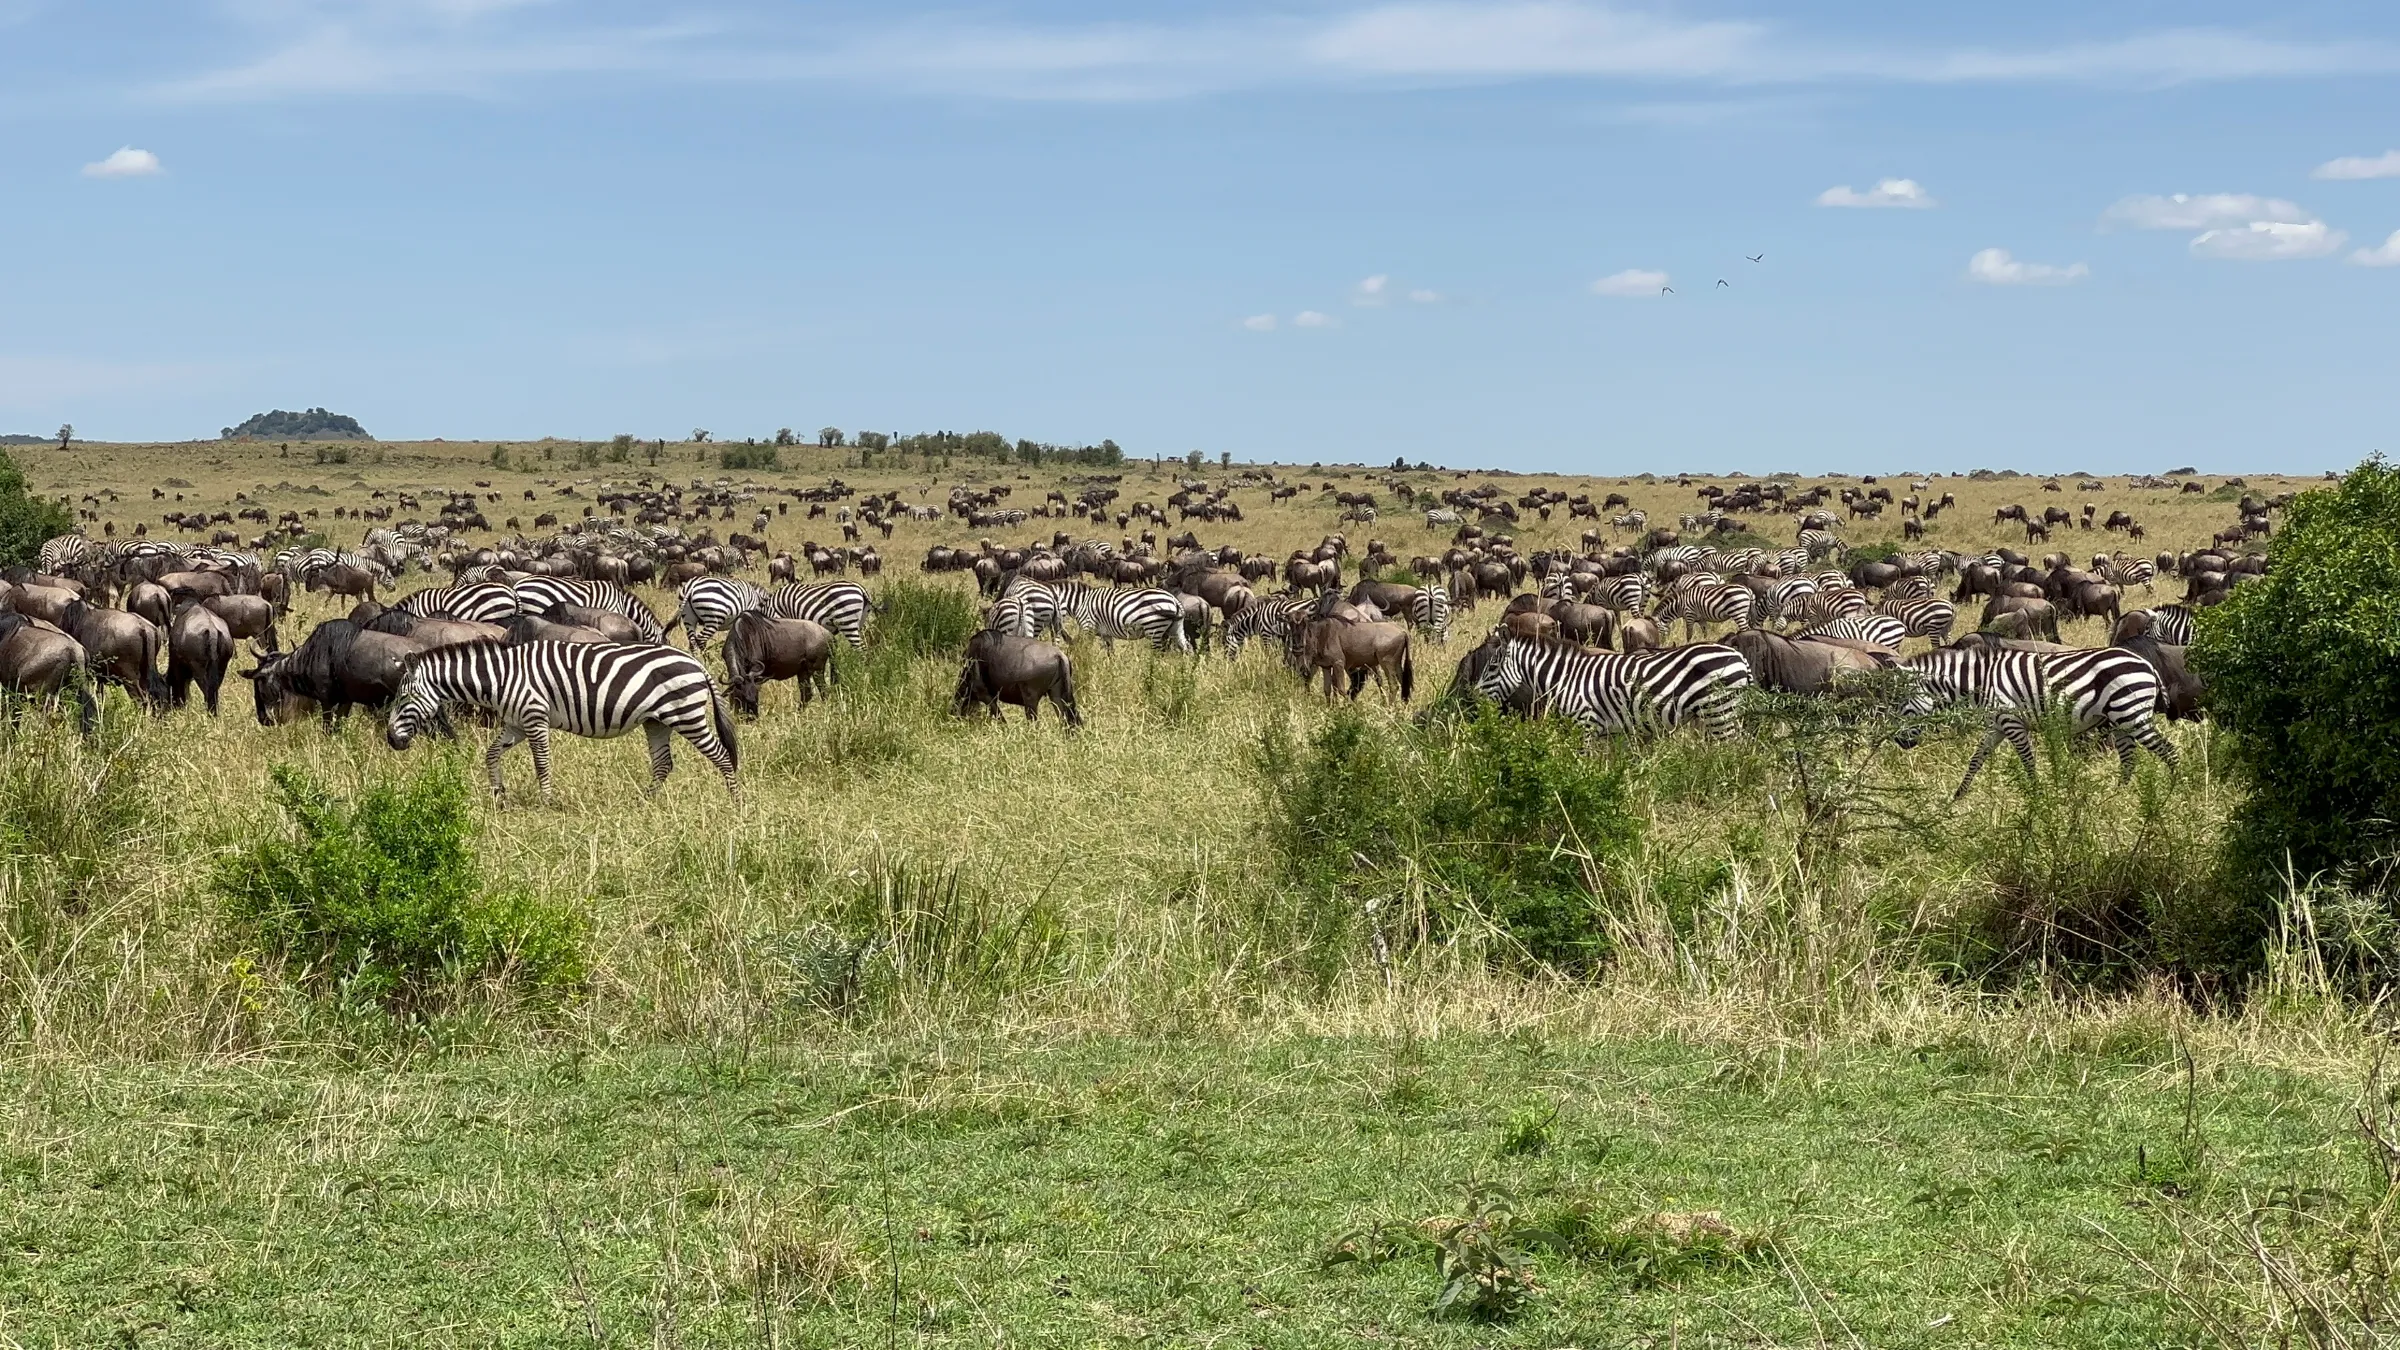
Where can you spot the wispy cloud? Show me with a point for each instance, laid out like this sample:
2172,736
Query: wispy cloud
2385,165
1309,318
1422,296
323,47
1372,291
125,163
1996,267
1904,193
1260,323
2201,211
2385,254
2271,241
1632,283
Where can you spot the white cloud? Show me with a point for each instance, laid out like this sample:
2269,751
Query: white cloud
1900,192
2201,211
2270,241
1309,318
1260,323
2386,254
1375,290
1423,297
1633,281
1995,267
124,163
2385,165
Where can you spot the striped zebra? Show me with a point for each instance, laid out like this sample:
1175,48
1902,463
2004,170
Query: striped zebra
1635,521
708,603
1928,618
1879,630
539,595
474,601
1150,613
1820,544
1610,692
2170,624
588,688
2106,688
1025,608
61,555
1429,609
841,606
1272,619
1625,595
1698,605
2122,572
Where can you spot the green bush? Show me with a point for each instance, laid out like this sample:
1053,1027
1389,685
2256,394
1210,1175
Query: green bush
382,895
2303,674
26,520
919,619
1881,550
740,456
1504,821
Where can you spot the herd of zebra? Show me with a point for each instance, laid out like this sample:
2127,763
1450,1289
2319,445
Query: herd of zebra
537,653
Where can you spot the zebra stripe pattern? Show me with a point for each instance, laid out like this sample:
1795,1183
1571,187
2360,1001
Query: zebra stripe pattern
538,595
1880,630
2170,624
1613,691
1271,619
591,689
706,604
1429,609
841,606
1024,610
2129,572
1625,595
2115,691
1697,605
1927,618
1150,613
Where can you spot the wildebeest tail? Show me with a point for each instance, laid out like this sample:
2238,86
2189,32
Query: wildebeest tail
1408,674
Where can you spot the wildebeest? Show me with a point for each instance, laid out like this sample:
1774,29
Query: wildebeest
759,648
428,634
40,662
1339,646
118,647
1002,668
526,628
246,617
1640,633
1804,665
2021,616
339,666
199,647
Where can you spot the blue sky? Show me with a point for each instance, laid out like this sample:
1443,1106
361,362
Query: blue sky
1165,224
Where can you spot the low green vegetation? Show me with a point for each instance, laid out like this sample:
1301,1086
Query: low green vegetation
25,519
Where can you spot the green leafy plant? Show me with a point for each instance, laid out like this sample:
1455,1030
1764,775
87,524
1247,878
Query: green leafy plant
26,520
382,895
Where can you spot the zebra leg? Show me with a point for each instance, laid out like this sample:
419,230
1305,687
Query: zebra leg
2019,735
508,734
1991,742
538,735
662,752
2147,734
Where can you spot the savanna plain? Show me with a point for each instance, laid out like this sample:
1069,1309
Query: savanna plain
1213,1022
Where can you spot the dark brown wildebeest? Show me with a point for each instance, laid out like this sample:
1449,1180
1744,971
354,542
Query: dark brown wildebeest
199,647
759,649
246,617
1591,625
1338,647
151,601
42,602
427,634
526,628
195,585
40,662
1002,668
2180,691
118,647
339,666
616,627
2015,513
1803,666
1640,633
343,579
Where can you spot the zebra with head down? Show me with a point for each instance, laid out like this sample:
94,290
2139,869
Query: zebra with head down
1611,691
2105,688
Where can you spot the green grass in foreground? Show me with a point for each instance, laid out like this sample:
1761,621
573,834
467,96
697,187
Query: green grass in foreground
859,1191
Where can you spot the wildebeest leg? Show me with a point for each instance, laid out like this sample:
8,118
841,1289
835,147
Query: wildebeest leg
662,752
1358,681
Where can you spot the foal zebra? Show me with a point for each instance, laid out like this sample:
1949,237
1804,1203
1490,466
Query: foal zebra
1611,691
2106,688
1150,613
589,688
841,606
706,604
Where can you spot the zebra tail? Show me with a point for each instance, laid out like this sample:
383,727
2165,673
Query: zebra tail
722,716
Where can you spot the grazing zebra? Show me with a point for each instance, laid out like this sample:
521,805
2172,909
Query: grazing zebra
2122,572
2107,688
1024,610
1429,609
706,604
1437,518
2170,624
1831,602
1928,618
1820,543
589,688
1697,605
63,554
1271,619
474,601
1881,630
1635,521
1625,595
841,606
1150,613
539,595
1786,599
1611,691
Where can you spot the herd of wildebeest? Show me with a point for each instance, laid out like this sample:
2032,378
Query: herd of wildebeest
512,630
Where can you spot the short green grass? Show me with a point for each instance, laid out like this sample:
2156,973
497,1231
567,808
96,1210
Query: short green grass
865,1189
